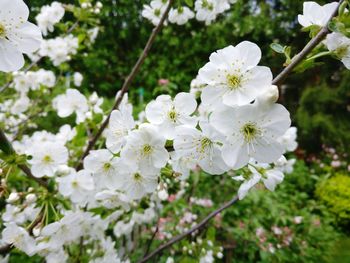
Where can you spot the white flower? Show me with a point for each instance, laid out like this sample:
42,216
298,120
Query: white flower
59,49
202,147
284,165
47,158
77,79
120,124
180,15
206,10
145,147
112,199
70,102
49,16
154,11
21,105
68,229
168,114
256,173
288,140
13,214
19,237
251,132
233,77
340,46
136,183
314,14
76,185
105,169
17,35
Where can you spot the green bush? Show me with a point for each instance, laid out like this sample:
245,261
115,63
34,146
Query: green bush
335,193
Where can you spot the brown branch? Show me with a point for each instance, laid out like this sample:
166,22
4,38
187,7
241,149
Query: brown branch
7,148
189,232
126,84
306,50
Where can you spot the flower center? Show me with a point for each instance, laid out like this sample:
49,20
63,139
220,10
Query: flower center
47,159
106,167
172,115
147,149
341,51
205,143
74,184
207,5
250,131
137,177
157,12
2,31
233,81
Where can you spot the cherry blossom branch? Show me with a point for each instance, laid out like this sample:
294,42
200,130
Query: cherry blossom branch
34,63
297,59
189,232
306,50
126,84
7,148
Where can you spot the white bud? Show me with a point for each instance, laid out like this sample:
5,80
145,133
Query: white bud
219,255
84,5
88,115
13,197
99,5
163,195
36,231
31,198
269,97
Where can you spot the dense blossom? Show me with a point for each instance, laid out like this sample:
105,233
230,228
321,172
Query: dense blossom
229,125
17,35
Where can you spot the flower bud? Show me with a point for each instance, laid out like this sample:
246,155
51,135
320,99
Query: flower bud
13,197
31,198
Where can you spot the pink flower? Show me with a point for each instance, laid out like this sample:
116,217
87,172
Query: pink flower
163,82
171,198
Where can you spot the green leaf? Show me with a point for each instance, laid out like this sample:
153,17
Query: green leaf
277,48
189,3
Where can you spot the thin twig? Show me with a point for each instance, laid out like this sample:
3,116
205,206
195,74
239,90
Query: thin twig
306,50
7,148
126,84
151,240
189,232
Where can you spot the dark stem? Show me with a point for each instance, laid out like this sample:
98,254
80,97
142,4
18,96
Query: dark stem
7,148
189,232
126,84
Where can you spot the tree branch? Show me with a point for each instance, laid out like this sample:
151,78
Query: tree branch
7,148
278,80
189,232
126,84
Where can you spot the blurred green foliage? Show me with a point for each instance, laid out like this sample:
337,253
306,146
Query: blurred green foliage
335,193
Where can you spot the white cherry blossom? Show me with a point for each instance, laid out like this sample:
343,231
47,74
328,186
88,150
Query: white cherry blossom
233,77
167,114
251,132
315,14
145,147
17,35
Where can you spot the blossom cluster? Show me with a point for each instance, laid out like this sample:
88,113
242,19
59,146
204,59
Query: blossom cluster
228,124
204,11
